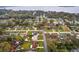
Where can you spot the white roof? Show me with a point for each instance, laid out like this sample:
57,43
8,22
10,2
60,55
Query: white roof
35,37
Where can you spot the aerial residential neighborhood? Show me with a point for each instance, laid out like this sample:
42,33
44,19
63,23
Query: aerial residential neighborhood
38,31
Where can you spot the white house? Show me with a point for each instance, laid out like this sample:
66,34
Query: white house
35,37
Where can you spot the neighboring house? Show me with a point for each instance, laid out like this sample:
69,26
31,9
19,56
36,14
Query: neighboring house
34,40
35,37
77,35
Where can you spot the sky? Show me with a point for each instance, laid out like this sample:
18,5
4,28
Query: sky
70,9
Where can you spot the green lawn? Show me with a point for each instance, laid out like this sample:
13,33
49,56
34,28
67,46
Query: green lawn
26,45
40,37
40,50
41,43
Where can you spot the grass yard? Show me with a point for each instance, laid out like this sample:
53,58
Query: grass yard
26,45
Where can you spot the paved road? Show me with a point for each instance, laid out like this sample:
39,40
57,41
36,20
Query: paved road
45,43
